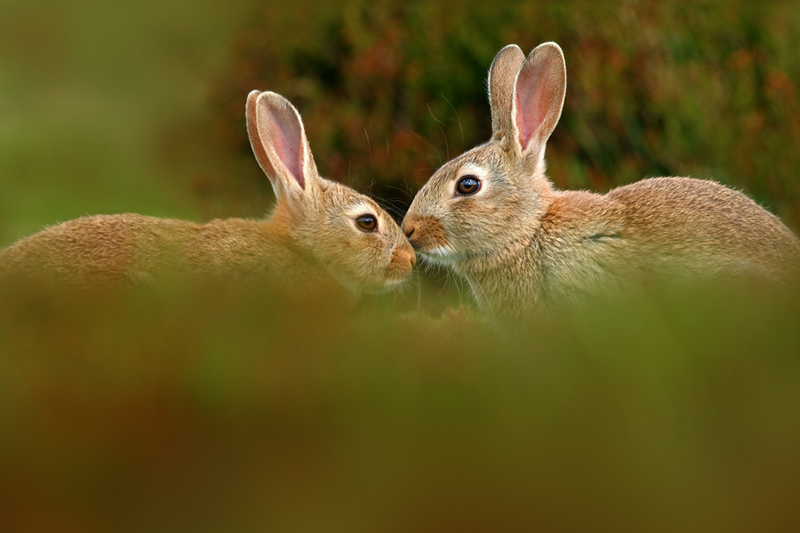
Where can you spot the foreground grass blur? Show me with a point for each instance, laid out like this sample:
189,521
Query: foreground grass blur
231,408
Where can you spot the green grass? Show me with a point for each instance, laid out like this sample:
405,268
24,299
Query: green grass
234,408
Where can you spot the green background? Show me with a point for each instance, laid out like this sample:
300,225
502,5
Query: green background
140,108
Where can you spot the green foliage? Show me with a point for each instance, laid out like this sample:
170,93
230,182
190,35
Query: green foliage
388,91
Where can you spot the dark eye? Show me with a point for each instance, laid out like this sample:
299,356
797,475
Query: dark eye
367,223
468,185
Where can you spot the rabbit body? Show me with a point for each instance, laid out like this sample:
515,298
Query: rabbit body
132,248
523,245
585,243
312,233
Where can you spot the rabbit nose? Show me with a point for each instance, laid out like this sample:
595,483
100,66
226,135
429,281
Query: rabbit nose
424,233
409,226
405,254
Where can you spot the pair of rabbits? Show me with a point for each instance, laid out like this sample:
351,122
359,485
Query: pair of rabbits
491,215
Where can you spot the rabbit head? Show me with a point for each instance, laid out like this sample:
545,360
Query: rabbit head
494,194
355,240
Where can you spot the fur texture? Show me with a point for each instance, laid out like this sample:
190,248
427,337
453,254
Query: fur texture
313,229
523,245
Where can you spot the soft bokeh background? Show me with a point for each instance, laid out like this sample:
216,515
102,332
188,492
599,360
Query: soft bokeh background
213,408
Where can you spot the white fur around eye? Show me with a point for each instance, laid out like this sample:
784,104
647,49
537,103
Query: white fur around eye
470,169
360,209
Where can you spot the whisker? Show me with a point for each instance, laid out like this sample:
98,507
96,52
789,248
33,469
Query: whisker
405,189
432,147
369,149
457,117
460,288
419,293
446,282
385,161
389,202
483,292
440,124
399,213
349,177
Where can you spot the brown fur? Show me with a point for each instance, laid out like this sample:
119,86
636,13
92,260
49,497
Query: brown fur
311,230
523,245
431,232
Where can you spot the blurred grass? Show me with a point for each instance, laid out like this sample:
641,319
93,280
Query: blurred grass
232,408
224,408
86,91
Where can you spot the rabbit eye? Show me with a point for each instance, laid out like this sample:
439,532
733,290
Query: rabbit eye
367,223
468,185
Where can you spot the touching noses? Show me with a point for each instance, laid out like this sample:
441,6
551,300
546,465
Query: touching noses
409,226
424,232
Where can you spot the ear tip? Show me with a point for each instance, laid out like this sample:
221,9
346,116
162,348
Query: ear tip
276,102
508,51
550,48
270,95
510,47
252,98
264,97
549,54
551,43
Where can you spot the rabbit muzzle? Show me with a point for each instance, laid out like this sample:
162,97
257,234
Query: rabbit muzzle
402,261
425,233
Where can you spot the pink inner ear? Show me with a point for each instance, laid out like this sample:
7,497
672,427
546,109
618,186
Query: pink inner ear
533,102
282,131
289,147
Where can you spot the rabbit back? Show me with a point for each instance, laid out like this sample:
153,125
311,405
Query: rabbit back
703,228
670,228
109,249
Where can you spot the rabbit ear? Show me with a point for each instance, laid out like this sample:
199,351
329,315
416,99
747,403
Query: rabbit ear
540,89
279,143
502,75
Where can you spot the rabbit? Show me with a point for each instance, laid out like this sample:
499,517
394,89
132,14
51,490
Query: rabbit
493,217
317,225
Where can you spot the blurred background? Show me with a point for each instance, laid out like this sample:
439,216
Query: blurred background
140,108
214,411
